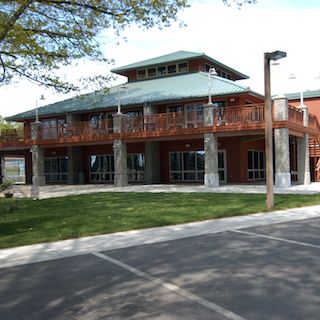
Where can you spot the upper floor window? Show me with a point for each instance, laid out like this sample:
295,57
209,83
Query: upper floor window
220,73
152,72
183,67
52,127
141,74
172,68
163,70
175,109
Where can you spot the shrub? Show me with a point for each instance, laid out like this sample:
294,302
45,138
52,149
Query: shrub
6,184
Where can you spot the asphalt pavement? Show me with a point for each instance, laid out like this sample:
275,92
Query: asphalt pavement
264,266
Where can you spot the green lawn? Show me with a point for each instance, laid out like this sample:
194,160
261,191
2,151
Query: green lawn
26,221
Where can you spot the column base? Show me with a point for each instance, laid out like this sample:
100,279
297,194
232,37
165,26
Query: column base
304,178
120,180
283,180
39,180
35,191
211,180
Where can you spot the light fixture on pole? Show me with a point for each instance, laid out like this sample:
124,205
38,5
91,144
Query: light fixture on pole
268,56
37,113
211,72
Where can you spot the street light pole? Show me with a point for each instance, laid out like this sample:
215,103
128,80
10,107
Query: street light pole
268,123
119,97
37,113
212,72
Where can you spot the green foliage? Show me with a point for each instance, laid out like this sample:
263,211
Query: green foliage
38,37
5,125
5,185
239,3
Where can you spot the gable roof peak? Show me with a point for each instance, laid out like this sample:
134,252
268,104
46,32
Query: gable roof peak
170,57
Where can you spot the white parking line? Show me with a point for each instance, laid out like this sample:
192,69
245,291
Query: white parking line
305,244
172,287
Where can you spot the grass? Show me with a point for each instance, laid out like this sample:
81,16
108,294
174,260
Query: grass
26,221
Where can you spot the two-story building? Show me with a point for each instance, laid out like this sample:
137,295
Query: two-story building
180,118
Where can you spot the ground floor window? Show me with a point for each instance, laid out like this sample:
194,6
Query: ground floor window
102,168
14,169
256,165
222,166
187,166
56,169
135,163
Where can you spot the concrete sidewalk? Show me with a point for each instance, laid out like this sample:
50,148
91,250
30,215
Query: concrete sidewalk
68,248
51,191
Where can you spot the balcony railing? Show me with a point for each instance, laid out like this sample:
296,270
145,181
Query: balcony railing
77,130
12,137
179,123
193,120
295,115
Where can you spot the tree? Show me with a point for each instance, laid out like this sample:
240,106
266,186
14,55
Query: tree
5,126
37,37
239,3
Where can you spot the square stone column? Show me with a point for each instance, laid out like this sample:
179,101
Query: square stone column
117,122
282,158
152,162
38,177
281,144
208,114
120,163
120,154
303,154
211,175
75,165
303,160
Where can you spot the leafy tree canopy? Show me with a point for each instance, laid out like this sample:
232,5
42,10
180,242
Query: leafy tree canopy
5,125
239,3
37,37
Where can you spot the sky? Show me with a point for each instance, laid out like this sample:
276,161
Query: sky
237,38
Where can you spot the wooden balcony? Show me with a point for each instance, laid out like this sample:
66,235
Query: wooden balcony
76,132
184,123
247,119
295,116
13,138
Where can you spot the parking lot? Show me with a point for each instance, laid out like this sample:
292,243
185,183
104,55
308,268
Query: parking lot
264,272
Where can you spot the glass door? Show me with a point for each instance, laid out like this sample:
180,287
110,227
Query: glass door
222,167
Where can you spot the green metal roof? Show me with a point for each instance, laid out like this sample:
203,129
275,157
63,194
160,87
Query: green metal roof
174,57
171,57
306,94
160,90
